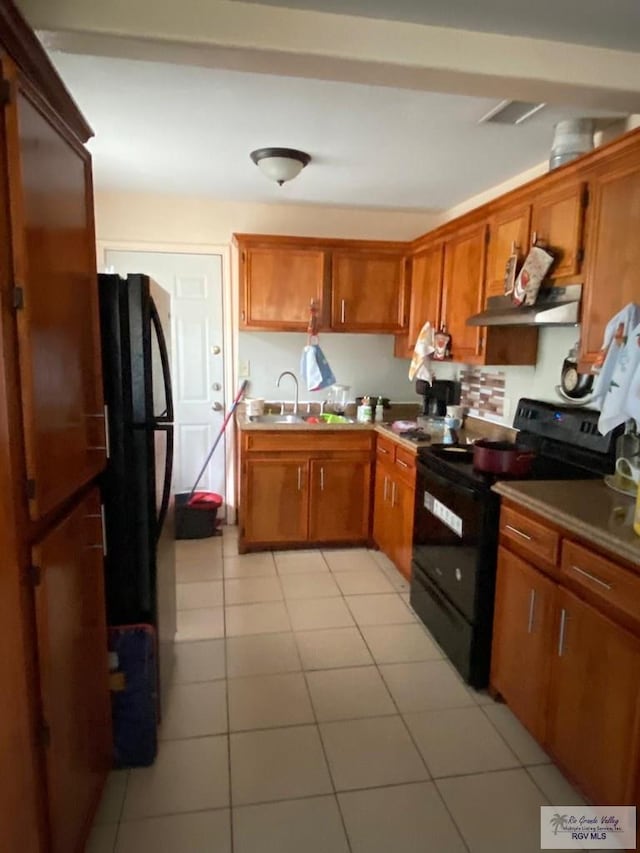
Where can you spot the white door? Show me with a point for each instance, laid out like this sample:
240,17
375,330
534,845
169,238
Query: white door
197,369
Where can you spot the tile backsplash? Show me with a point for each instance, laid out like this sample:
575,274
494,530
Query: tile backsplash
482,392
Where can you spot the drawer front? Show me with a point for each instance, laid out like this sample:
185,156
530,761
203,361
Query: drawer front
617,586
531,537
287,441
386,448
405,465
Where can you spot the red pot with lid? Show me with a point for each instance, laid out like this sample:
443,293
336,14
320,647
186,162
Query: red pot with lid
502,457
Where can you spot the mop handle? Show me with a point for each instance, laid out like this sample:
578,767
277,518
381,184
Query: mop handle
239,395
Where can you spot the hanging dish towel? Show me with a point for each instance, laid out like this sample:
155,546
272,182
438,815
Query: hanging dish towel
419,367
618,378
314,367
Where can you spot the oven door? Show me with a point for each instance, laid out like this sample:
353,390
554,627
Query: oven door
448,536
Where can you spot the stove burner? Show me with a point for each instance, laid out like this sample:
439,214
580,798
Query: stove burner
416,434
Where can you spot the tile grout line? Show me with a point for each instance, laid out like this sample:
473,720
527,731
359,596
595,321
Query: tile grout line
321,739
411,738
228,710
314,713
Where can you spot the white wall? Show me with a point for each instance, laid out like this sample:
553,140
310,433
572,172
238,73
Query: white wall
161,218
365,362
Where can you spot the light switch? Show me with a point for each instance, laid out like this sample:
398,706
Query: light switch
244,370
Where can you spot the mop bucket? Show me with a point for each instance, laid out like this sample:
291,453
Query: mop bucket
196,517
196,511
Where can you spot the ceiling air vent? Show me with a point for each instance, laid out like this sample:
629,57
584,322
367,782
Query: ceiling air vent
511,112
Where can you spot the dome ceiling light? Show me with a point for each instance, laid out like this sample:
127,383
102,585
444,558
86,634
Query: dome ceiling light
280,164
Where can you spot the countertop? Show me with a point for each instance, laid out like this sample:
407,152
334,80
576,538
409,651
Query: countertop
587,508
474,429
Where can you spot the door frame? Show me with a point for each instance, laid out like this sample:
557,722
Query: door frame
230,325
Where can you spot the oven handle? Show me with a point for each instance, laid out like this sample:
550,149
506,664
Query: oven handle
427,472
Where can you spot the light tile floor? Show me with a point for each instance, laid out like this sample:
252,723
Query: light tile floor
311,712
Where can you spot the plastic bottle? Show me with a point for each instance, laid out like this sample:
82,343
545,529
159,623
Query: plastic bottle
379,415
366,409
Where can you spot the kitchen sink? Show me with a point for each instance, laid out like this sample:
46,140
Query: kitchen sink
298,419
277,419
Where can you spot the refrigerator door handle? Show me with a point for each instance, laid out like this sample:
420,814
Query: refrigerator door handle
167,416
166,485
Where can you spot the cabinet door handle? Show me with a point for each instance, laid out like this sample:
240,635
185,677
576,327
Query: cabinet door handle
532,610
384,493
563,625
383,450
299,478
322,479
518,532
534,238
591,577
107,446
393,494
401,463
103,521
343,311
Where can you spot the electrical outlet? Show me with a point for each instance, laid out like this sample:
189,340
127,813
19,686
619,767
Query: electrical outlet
244,371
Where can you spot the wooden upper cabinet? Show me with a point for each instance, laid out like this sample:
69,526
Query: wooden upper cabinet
557,223
613,250
509,233
594,701
278,284
426,290
368,291
55,276
72,663
463,290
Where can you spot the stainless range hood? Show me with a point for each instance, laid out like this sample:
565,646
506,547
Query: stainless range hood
555,306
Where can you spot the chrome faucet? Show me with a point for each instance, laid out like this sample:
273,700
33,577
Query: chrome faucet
292,375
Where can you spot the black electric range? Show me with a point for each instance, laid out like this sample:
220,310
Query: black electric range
456,524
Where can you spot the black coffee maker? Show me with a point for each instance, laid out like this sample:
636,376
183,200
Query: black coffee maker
437,396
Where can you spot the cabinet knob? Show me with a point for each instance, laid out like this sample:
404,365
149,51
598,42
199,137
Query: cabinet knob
215,350
216,407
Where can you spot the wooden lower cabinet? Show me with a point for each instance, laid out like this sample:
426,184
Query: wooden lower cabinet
593,701
339,499
72,661
393,512
522,639
570,673
307,496
382,516
276,500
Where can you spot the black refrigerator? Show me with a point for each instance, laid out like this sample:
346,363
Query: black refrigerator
137,490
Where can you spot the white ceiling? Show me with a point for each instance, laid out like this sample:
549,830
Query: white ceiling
605,23
189,130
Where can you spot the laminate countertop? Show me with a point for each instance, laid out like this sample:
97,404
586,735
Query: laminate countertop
587,508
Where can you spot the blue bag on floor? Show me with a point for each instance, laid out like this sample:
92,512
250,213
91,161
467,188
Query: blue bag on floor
134,695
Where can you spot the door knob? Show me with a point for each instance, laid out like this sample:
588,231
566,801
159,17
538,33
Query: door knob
217,407
216,386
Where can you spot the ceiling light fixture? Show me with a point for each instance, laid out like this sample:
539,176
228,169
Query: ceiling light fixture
280,164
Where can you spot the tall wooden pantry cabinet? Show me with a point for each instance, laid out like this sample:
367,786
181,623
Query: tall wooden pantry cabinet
55,738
